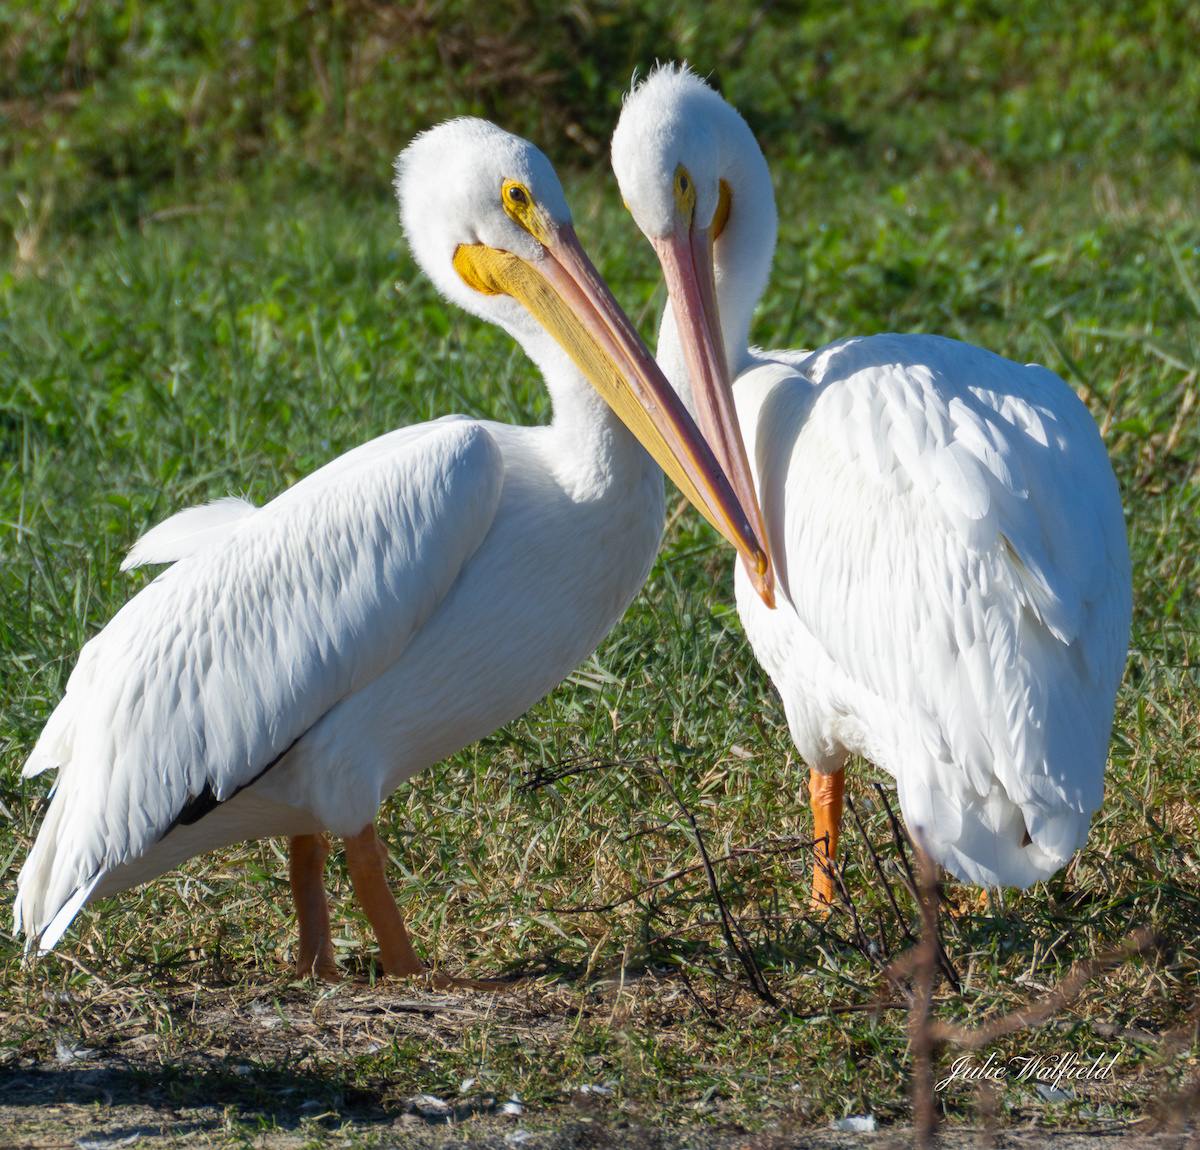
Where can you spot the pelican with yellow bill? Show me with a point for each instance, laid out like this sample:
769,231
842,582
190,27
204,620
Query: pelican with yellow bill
297,662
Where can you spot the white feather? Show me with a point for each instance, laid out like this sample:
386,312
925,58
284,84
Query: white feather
189,531
946,527
215,669
299,661
954,658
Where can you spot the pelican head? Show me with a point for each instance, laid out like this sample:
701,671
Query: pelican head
689,170
666,152
467,184
486,220
696,183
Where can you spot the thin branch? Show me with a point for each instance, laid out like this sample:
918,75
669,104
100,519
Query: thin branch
541,778
1138,942
921,1033
887,886
786,846
900,837
745,953
710,1014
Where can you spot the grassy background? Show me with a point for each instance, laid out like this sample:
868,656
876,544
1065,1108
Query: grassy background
203,292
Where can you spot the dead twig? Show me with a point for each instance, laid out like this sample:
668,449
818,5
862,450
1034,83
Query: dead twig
581,765
921,1033
710,1015
1138,942
786,846
915,887
729,924
887,886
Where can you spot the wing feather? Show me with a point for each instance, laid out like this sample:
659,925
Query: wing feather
188,532
207,675
957,558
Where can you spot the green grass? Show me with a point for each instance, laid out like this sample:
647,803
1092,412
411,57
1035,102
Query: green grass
192,338
138,105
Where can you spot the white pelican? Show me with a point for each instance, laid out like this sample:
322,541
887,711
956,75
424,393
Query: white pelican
300,660
952,564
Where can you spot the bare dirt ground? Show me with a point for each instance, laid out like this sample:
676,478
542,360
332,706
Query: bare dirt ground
258,1068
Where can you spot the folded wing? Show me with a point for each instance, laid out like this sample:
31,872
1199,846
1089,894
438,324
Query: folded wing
967,573
272,615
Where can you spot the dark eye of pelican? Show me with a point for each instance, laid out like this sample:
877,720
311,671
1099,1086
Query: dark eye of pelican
683,183
517,195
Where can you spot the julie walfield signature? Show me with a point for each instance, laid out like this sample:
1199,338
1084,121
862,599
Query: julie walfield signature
1051,1069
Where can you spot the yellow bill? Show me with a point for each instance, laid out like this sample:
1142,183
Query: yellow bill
566,295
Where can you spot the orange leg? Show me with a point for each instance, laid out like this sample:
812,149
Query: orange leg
826,792
365,856
306,866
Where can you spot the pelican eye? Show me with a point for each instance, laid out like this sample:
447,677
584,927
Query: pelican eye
685,193
517,199
523,209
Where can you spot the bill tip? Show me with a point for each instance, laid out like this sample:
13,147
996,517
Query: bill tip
762,575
